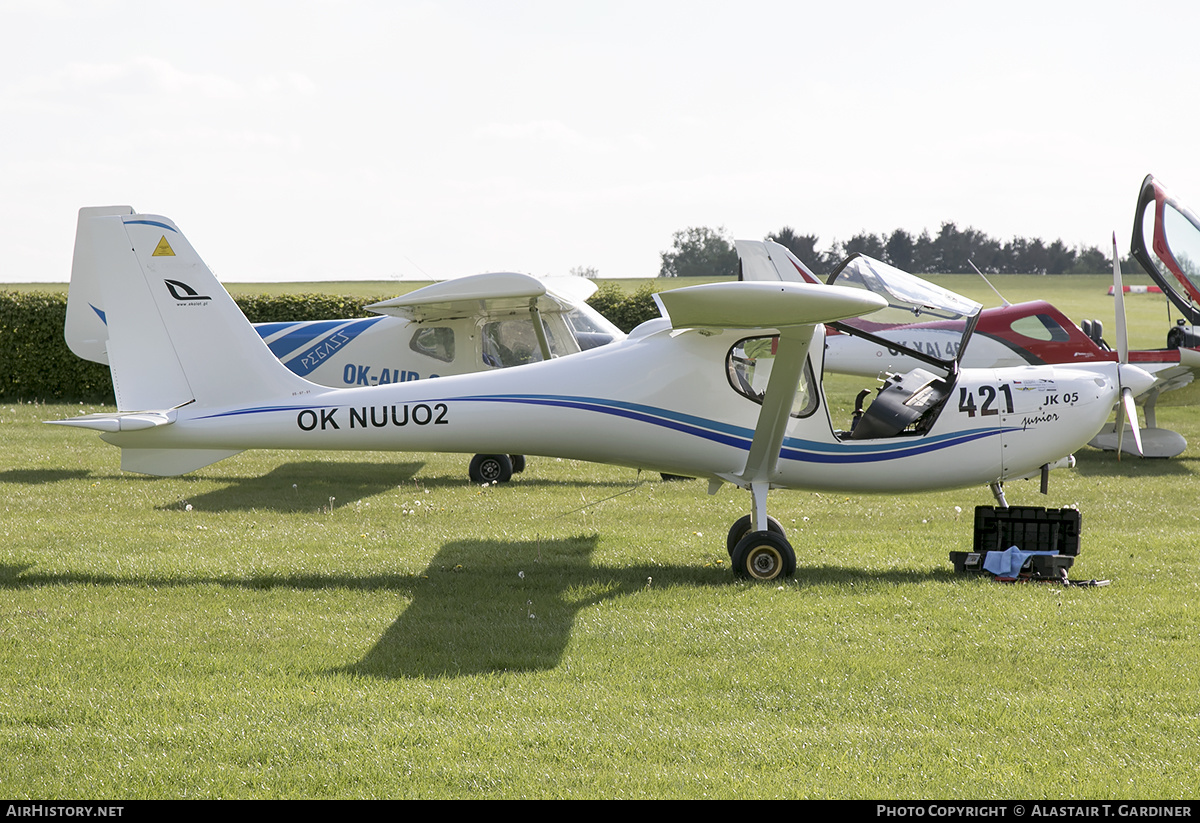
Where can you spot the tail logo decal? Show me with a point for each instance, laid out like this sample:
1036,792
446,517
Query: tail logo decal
183,292
163,249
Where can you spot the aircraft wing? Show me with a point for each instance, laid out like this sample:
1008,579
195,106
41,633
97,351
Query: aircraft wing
495,293
794,309
778,305
1171,368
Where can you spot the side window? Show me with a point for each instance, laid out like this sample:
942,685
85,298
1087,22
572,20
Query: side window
510,343
748,367
1040,327
437,342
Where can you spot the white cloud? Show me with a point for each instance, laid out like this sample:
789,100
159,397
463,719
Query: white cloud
135,75
545,131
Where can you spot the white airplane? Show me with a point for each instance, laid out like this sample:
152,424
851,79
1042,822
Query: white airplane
1011,335
724,386
469,324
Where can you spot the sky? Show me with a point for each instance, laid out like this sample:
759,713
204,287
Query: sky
310,140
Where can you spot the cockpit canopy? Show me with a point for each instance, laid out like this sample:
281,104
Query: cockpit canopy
1166,242
912,303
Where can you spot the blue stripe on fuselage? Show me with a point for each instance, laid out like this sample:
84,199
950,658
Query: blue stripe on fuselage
318,333
740,437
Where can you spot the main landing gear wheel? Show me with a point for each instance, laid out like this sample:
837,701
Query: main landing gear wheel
764,556
741,528
490,468
518,463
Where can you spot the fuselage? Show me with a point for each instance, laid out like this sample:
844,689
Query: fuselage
664,400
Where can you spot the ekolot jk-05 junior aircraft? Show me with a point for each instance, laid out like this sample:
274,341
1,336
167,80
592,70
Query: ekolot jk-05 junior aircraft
724,386
1028,333
474,323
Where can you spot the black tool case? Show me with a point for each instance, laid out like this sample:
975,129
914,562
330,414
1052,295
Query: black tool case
1030,529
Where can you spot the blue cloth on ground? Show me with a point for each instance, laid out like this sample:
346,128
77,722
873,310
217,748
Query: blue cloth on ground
1007,563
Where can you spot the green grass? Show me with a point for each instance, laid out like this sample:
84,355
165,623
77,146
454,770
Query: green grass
292,624
365,625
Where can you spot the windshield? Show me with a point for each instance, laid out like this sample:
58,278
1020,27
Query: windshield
912,303
591,329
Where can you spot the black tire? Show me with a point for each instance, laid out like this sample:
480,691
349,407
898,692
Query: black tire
741,528
764,556
490,468
518,463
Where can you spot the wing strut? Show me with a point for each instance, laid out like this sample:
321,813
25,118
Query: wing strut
757,546
789,362
790,356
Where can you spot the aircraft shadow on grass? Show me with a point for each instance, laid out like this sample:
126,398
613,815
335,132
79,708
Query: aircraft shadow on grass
36,477
301,486
488,606
485,606
312,485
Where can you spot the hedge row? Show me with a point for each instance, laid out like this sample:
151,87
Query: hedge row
36,365
625,311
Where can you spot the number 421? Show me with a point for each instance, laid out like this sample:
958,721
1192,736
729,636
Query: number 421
988,395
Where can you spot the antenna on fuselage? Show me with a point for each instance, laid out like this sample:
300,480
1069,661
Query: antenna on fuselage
989,282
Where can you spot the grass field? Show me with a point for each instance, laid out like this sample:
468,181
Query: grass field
287,624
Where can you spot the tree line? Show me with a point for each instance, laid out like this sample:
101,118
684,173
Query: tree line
704,252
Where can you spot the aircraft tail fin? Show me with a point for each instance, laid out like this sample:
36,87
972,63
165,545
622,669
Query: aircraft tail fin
766,260
141,296
86,330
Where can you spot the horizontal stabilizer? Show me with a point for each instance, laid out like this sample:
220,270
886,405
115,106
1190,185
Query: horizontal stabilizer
763,305
119,421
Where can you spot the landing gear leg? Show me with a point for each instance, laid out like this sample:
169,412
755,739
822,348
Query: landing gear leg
761,551
998,493
758,506
1151,405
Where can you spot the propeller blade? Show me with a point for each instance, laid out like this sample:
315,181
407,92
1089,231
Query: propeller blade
1129,409
1126,375
1119,305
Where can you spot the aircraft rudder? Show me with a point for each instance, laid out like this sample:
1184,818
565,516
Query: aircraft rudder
171,332
85,331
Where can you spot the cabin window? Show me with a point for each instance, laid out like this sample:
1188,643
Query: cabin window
1040,327
748,367
514,343
436,342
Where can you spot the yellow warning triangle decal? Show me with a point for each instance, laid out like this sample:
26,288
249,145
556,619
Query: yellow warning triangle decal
164,249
